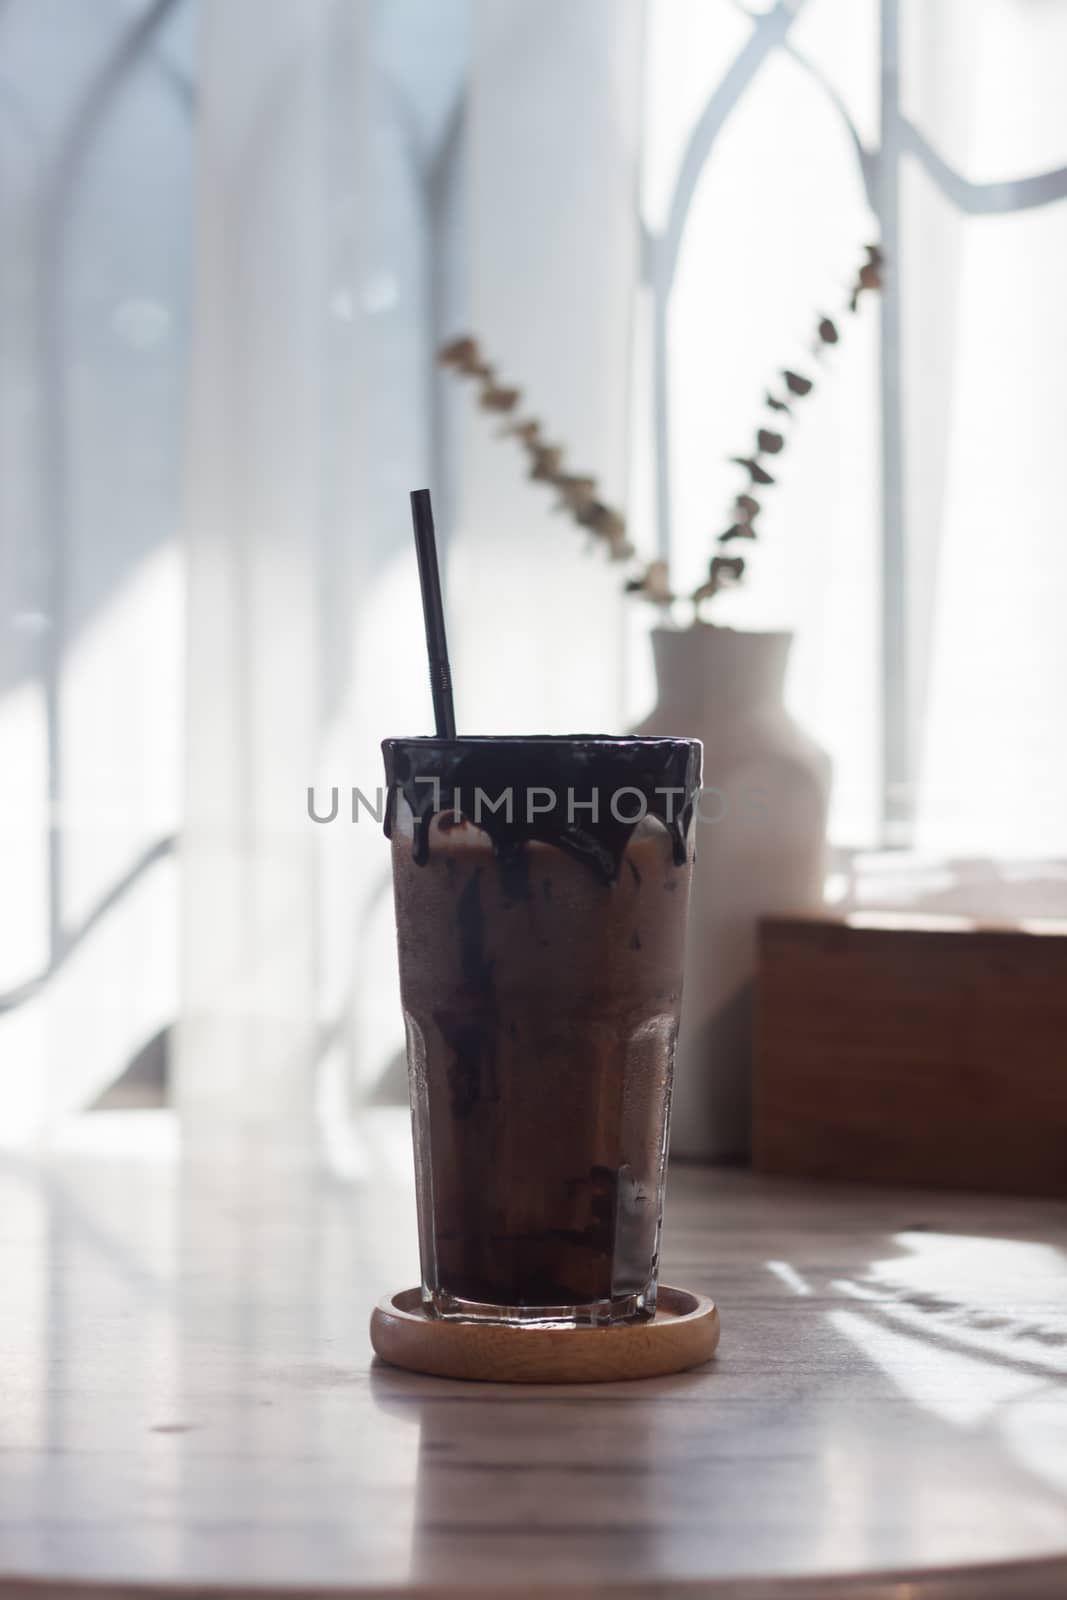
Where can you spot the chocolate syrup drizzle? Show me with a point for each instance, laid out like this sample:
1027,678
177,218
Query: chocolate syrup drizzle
441,775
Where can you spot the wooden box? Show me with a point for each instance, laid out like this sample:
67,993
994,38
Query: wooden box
926,1051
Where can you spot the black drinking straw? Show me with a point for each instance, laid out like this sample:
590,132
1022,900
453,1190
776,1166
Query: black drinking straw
433,611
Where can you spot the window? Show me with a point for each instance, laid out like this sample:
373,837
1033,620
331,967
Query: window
237,232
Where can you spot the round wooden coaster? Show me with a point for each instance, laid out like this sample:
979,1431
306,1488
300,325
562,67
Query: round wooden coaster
683,1333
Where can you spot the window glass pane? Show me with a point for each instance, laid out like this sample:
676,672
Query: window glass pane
774,236
985,83
993,768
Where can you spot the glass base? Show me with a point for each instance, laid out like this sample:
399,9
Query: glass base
596,1314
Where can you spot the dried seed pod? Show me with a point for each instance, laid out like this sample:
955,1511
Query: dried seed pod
777,405
723,573
458,352
655,585
576,491
528,432
740,530
494,398
726,570
547,460
606,524
747,507
827,331
769,442
613,532
797,384
590,514
757,473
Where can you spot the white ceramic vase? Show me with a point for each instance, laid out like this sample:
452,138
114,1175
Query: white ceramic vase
760,845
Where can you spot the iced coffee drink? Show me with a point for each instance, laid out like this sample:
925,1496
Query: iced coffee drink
541,889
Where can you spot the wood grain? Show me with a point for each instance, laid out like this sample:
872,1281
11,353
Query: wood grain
912,1055
189,1402
683,1334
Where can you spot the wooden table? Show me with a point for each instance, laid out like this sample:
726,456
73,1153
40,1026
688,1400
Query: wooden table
187,1395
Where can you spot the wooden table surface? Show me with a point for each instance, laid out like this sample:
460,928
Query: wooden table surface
187,1395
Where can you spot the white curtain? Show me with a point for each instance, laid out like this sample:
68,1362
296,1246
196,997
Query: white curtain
96,140
986,338
553,172
371,180
257,553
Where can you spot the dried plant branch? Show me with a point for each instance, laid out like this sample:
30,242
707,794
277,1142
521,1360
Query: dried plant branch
653,584
577,491
780,399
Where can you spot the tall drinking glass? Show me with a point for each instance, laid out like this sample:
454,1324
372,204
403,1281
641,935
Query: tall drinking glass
541,891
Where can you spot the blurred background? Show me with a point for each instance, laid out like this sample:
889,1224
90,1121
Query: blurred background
235,233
